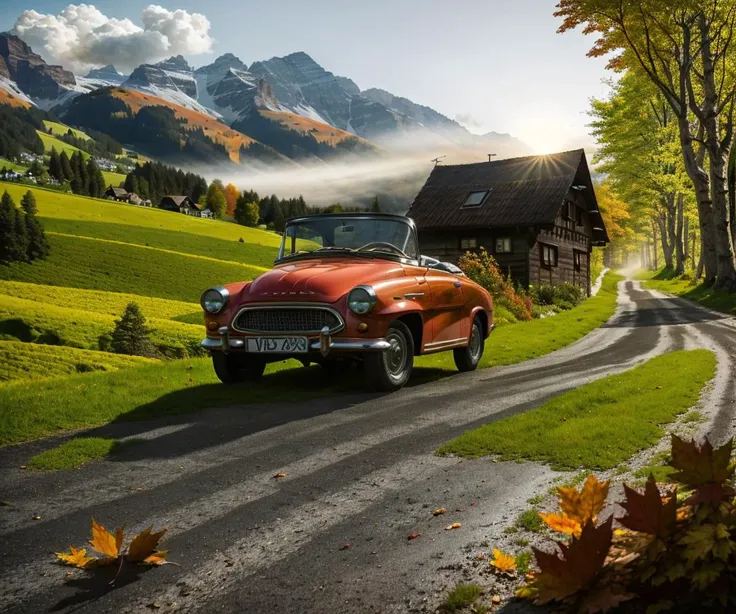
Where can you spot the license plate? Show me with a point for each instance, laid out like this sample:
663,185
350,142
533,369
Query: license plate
277,345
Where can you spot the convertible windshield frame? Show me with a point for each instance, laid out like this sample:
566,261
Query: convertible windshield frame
288,242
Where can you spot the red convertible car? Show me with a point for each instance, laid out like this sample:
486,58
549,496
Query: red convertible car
348,288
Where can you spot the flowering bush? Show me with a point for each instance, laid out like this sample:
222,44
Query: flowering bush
483,269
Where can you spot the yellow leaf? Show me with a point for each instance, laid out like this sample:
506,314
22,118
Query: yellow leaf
157,558
144,545
439,511
562,524
587,503
75,557
104,542
503,562
454,525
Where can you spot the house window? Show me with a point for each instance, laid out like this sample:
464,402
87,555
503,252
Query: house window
578,216
503,245
568,211
548,255
579,258
475,199
468,243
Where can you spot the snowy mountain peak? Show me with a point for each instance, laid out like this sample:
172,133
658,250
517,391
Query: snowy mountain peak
108,72
175,63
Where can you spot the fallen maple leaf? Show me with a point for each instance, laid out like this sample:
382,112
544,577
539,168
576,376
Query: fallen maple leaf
704,468
413,535
496,599
647,512
76,557
143,546
586,504
279,475
454,525
439,511
562,524
580,561
504,563
104,542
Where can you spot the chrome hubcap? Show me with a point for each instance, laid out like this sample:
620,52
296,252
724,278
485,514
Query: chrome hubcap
475,343
396,355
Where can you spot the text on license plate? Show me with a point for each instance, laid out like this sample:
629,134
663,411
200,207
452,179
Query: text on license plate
279,345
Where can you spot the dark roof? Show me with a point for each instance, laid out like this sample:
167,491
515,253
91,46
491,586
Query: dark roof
526,191
118,192
181,201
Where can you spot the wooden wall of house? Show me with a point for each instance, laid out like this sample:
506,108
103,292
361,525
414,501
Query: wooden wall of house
568,237
447,245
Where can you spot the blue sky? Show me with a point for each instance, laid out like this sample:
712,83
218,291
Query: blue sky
496,64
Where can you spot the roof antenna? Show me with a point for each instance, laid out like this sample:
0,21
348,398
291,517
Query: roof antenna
437,160
491,156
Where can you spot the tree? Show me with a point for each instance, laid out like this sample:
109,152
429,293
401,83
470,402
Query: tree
11,250
231,197
28,203
38,247
685,49
246,213
55,169
131,335
96,180
215,199
375,206
131,184
66,167
279,217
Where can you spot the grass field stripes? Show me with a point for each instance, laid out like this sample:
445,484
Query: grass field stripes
98,301
24,361
31,321
77,262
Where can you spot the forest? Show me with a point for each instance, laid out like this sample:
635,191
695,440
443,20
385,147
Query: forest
666,131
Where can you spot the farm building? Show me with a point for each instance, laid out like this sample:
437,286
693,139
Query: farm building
180,204
537,216
119,194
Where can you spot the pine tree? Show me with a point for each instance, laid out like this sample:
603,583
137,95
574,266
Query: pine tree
83,174
131,184
38,247
76,179
131,333
279,217
66,167
96,179
21,237
28,203
8,243
55,169
375,207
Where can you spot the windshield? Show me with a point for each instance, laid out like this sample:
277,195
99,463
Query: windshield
320,235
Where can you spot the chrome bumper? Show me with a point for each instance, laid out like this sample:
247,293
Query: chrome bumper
324,345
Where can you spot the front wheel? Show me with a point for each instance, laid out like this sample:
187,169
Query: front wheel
390,370
234,368
467,358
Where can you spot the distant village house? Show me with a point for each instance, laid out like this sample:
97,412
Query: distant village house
180,204
119,194
537,216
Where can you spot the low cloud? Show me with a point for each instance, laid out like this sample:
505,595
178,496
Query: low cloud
81,36
469,121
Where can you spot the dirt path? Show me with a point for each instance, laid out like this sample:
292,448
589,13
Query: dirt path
360,470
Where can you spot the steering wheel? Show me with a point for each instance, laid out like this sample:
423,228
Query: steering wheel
371,246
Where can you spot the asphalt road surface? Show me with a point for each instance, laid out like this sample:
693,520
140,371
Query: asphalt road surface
361,476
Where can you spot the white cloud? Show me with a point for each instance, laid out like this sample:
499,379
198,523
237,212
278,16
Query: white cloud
81,36
469,121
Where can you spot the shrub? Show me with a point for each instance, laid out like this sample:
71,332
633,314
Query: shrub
564,295
483,269
131,333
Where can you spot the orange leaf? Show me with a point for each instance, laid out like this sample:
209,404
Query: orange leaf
104,542
279,475
454,525
562,524
76,557
439,511
503,562
579,563
144,545
648,513
157,558
586,504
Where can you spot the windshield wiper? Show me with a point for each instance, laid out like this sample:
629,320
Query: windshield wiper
333,248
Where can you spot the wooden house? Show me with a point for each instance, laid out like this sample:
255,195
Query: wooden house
537,216
119,194
180,204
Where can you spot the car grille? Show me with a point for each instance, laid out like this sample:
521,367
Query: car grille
287,320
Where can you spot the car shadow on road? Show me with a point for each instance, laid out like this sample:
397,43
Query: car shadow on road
209,415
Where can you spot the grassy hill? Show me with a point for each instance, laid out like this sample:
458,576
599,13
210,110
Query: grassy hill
57,128
115,180
51,141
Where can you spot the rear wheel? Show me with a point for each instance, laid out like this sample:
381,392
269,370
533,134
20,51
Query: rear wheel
234,368
467,358
390,370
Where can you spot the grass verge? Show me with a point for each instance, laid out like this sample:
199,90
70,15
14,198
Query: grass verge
665,280
77,452
601,424
461,597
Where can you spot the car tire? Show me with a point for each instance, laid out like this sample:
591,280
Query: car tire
234,368
389,370
467,358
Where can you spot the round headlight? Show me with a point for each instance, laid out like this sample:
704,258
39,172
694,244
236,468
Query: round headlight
214,299
361,299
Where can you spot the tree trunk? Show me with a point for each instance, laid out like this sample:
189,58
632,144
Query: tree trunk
654,250
663,221
679,252
686,241
717,157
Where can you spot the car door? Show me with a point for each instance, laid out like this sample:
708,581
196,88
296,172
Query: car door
448,317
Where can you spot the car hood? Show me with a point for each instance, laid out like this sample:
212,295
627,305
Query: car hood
324,280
